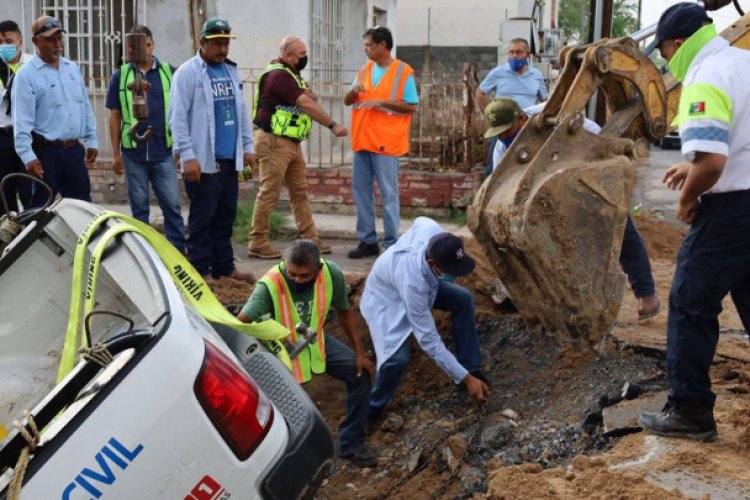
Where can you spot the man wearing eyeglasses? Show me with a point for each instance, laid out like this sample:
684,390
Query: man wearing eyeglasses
383,98
51,116
212,136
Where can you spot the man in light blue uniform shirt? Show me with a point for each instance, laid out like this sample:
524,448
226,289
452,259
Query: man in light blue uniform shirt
407,281
51,115
515,79
212,135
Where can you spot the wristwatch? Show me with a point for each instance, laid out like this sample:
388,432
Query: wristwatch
331,125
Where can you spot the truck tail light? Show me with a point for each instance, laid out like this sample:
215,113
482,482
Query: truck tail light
239,411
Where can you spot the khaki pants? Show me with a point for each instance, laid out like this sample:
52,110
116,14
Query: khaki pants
281,164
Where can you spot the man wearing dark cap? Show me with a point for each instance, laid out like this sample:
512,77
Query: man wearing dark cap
714,185
407,281
212,135
51,116
506,119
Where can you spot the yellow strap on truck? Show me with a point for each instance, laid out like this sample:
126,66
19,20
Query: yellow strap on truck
187,279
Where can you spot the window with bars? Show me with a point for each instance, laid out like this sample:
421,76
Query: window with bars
327,45
95,30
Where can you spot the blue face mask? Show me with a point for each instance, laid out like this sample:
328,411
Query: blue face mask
517,64
449,278
509,140
8,52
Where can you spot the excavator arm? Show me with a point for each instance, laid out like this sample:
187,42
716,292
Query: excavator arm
552,215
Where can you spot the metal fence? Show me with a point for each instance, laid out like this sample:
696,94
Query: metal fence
446,130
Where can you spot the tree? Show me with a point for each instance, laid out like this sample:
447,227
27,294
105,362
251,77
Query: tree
574,17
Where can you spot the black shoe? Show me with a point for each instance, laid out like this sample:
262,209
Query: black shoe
682,419
364,250
363,457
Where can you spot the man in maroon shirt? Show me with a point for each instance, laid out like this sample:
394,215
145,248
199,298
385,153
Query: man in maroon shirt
282,114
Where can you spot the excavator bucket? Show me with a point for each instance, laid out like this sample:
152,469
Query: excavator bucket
552,215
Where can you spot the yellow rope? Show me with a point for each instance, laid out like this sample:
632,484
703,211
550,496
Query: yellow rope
19,471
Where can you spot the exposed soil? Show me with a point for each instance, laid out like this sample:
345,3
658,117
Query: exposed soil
540,434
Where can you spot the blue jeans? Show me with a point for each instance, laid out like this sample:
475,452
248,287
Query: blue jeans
712,262
635,263
163,178
65,172
213,208
460,303
340,365
368,167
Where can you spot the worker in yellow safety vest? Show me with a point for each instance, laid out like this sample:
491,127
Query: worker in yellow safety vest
303,287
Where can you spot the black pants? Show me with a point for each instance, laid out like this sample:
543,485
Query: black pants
714,260
10,163
65,172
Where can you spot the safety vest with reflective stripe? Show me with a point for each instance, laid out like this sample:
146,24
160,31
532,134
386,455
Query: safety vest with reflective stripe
380,130
286,121
127,75
313,358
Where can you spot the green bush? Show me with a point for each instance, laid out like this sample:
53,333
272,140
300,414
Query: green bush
243,224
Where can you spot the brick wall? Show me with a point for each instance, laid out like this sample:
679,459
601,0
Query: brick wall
330,188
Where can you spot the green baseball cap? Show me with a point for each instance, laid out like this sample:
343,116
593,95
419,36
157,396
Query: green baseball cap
216,28
501,113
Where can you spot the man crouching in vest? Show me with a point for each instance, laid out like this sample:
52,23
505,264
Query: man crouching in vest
303,287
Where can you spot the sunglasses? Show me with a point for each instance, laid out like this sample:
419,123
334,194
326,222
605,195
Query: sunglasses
51,24
219,30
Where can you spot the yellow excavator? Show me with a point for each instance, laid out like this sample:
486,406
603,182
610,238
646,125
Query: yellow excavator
552,215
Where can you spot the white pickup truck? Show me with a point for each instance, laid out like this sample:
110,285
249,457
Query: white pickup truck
184,410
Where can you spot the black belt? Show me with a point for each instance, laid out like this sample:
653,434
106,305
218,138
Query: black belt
70,143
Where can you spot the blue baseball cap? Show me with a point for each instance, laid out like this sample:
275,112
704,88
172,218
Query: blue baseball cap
680,21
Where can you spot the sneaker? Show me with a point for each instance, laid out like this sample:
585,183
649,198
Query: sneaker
364,457
238,275
681,419
364,250
324,249
263,252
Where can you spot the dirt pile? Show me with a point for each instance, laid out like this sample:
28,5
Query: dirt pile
662,239
583,478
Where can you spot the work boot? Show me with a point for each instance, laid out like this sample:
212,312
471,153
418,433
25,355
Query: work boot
238,275
324,249
691,419
364,250
648,307
363,457
263,252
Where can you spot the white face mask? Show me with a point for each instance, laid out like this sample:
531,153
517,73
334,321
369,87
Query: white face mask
8,52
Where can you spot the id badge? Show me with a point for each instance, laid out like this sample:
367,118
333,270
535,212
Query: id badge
228,118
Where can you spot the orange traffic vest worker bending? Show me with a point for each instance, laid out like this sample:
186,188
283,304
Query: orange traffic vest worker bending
303,287
383,98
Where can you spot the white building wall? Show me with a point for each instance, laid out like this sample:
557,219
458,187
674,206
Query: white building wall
447,23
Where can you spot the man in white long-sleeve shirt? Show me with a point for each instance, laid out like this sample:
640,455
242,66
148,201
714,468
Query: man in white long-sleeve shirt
406,282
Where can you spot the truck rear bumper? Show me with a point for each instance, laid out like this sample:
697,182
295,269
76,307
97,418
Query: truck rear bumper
306,460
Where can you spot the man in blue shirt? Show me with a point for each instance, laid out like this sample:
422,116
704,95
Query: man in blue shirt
150,161
515,79
407,281
212,135
51,115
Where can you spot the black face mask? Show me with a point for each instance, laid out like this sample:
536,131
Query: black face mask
301,63
300,288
